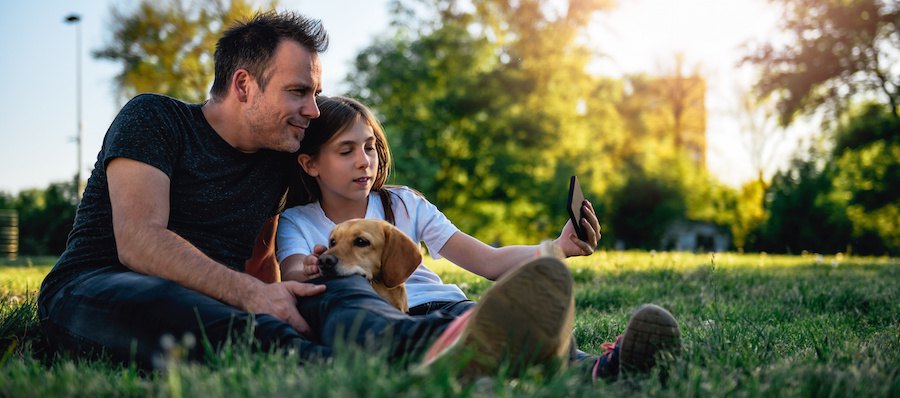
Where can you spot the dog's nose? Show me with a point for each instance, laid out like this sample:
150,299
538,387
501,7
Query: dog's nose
327,263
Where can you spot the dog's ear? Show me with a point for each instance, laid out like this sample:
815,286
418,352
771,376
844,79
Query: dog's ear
400,256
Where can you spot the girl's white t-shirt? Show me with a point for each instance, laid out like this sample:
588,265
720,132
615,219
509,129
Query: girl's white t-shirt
300,228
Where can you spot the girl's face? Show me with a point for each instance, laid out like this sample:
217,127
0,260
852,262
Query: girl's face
346,165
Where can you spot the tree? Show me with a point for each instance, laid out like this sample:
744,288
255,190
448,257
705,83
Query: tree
802,214
669,107
479,121
836,50
166,47
760,131
45,218
867,178
748,214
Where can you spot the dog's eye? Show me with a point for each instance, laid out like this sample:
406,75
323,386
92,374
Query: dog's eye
360,242
331,243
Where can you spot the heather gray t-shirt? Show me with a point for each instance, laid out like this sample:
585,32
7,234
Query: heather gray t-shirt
219,197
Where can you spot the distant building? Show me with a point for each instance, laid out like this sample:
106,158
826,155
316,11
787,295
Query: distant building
695,236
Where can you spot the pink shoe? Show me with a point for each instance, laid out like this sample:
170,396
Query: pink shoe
526,318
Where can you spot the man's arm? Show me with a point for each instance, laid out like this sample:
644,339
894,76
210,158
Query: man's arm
139,194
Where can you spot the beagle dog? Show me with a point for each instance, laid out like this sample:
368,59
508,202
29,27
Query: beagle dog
377,250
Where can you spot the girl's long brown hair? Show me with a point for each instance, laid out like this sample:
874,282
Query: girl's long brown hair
337,114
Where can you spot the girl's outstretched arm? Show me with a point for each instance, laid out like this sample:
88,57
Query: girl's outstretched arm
474,255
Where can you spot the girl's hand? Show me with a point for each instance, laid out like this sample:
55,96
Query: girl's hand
568,240
301,268
311,262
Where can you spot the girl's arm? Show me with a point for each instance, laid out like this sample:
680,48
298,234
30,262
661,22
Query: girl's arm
301,267
490,262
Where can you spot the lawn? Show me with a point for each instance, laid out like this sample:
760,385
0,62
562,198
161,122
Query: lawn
753,325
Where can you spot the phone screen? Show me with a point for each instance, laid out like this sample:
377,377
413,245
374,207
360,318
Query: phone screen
576,200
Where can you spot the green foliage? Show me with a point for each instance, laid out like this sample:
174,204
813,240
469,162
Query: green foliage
867,178
45,218
750,214
835,50
477,122
490,131
867,124
801,214
851,192
644,207
753,325
166,47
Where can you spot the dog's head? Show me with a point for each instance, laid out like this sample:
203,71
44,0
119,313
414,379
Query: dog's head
372,248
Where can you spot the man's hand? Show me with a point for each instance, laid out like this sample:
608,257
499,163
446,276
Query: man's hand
280,301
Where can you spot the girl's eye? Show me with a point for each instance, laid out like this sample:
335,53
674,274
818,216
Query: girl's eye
370,148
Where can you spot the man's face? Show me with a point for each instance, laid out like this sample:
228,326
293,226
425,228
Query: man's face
279,115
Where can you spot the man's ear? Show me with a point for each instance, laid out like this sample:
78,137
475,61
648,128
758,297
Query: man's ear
241,81
308,164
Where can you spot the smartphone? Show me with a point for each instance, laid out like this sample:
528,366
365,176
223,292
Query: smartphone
575,202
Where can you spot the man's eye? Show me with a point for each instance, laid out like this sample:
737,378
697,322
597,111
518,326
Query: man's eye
332,243
360,242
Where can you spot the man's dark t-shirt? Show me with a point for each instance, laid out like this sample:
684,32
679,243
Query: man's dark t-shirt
219,197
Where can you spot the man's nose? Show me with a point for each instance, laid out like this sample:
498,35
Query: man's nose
310,109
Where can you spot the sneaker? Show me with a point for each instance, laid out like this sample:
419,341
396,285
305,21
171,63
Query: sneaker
606,366
651,331
526,318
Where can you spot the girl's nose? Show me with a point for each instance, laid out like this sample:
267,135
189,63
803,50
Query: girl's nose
362,161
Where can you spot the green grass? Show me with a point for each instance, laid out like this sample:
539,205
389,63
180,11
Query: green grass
753,325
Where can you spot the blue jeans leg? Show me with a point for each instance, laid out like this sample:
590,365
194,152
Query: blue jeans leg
351,312
125,315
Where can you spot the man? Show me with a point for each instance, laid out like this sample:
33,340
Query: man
179,194
177,197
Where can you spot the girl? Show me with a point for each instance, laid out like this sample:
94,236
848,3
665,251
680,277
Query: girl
344,161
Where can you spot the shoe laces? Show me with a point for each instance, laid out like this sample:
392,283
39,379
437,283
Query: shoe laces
610,347
607,365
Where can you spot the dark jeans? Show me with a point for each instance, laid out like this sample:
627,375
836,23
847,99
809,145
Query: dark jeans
125,315
454,308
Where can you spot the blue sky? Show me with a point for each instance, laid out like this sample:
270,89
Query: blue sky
38,108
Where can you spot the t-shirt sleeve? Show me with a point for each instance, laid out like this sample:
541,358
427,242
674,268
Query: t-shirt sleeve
144,130
290,238
432,226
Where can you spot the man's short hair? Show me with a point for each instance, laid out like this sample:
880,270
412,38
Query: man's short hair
251,45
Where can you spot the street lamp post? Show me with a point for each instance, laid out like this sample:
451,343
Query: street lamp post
75,19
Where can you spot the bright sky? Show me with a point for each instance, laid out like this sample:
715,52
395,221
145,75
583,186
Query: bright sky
38,122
